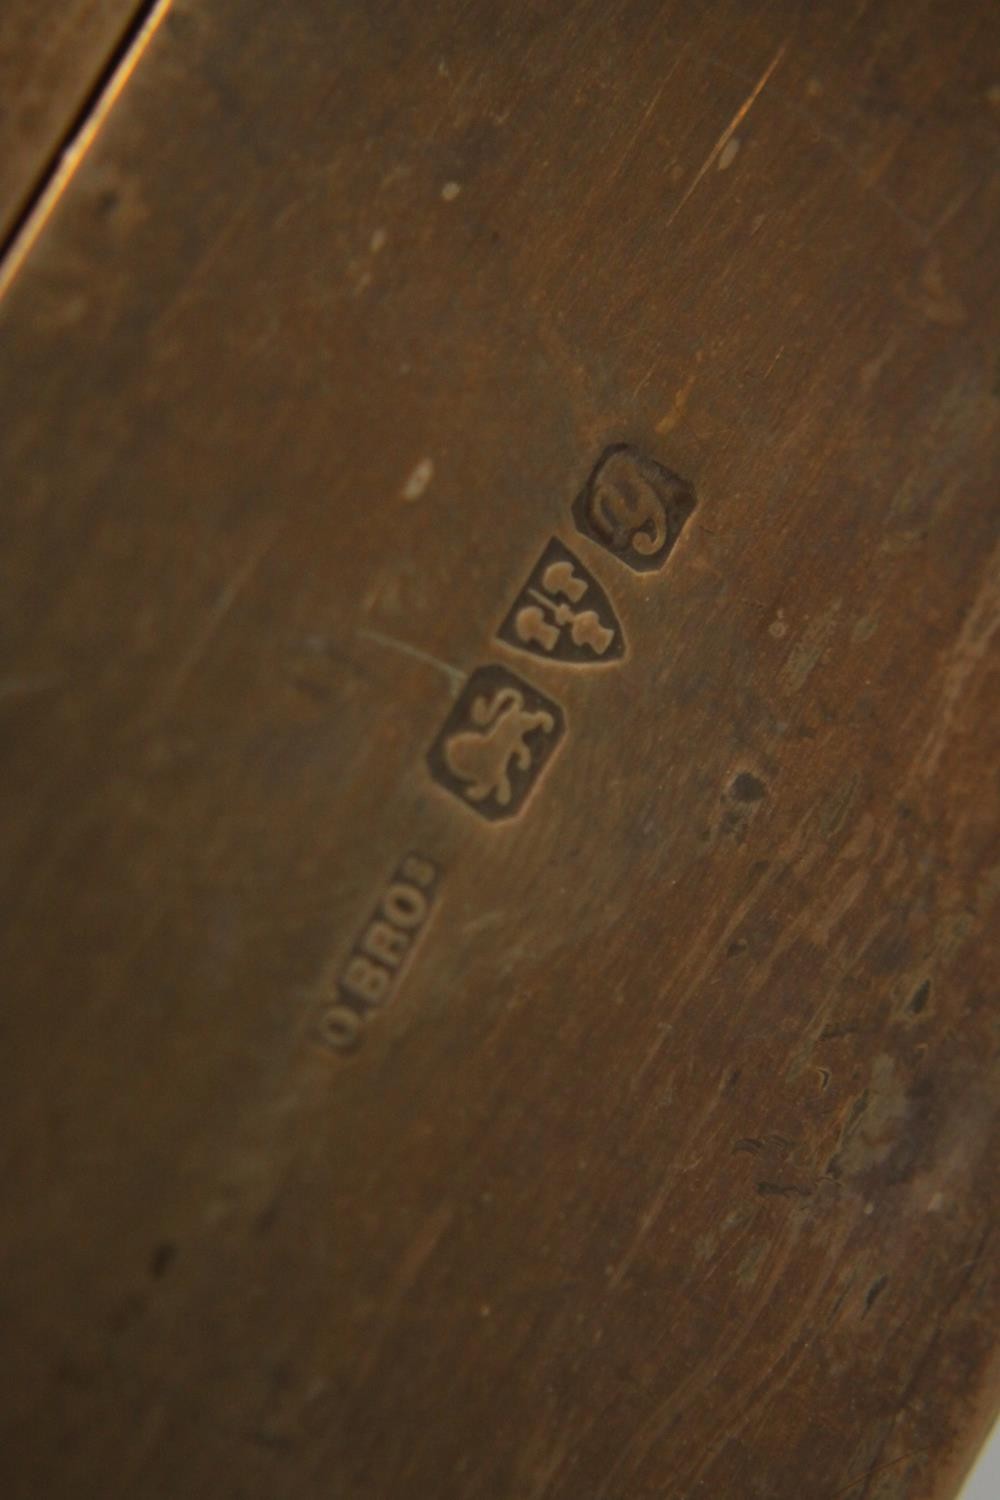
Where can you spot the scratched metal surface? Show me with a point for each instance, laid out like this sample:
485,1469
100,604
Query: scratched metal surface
668,1165
50,59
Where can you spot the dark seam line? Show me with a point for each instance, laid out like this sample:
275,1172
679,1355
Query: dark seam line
77,125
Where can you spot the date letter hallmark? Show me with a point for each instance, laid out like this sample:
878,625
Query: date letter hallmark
634,508
371,973
562,614
496,742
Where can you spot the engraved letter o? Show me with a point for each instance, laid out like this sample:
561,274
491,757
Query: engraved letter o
341,1028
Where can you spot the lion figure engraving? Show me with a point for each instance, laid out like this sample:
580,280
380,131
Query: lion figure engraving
482,758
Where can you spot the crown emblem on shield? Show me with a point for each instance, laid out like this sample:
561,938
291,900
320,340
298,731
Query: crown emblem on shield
562,614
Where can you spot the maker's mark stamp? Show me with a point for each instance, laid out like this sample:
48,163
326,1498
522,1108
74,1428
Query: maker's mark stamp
374,965
562,614
496,742
633,507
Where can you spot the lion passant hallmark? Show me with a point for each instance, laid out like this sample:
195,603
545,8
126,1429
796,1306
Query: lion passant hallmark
499,738
495,742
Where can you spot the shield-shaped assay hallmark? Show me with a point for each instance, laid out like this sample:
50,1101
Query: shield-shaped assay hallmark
562,614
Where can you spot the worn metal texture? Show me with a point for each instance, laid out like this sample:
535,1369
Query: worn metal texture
499,747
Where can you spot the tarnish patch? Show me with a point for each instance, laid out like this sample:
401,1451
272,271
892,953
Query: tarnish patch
874,1124
809,649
